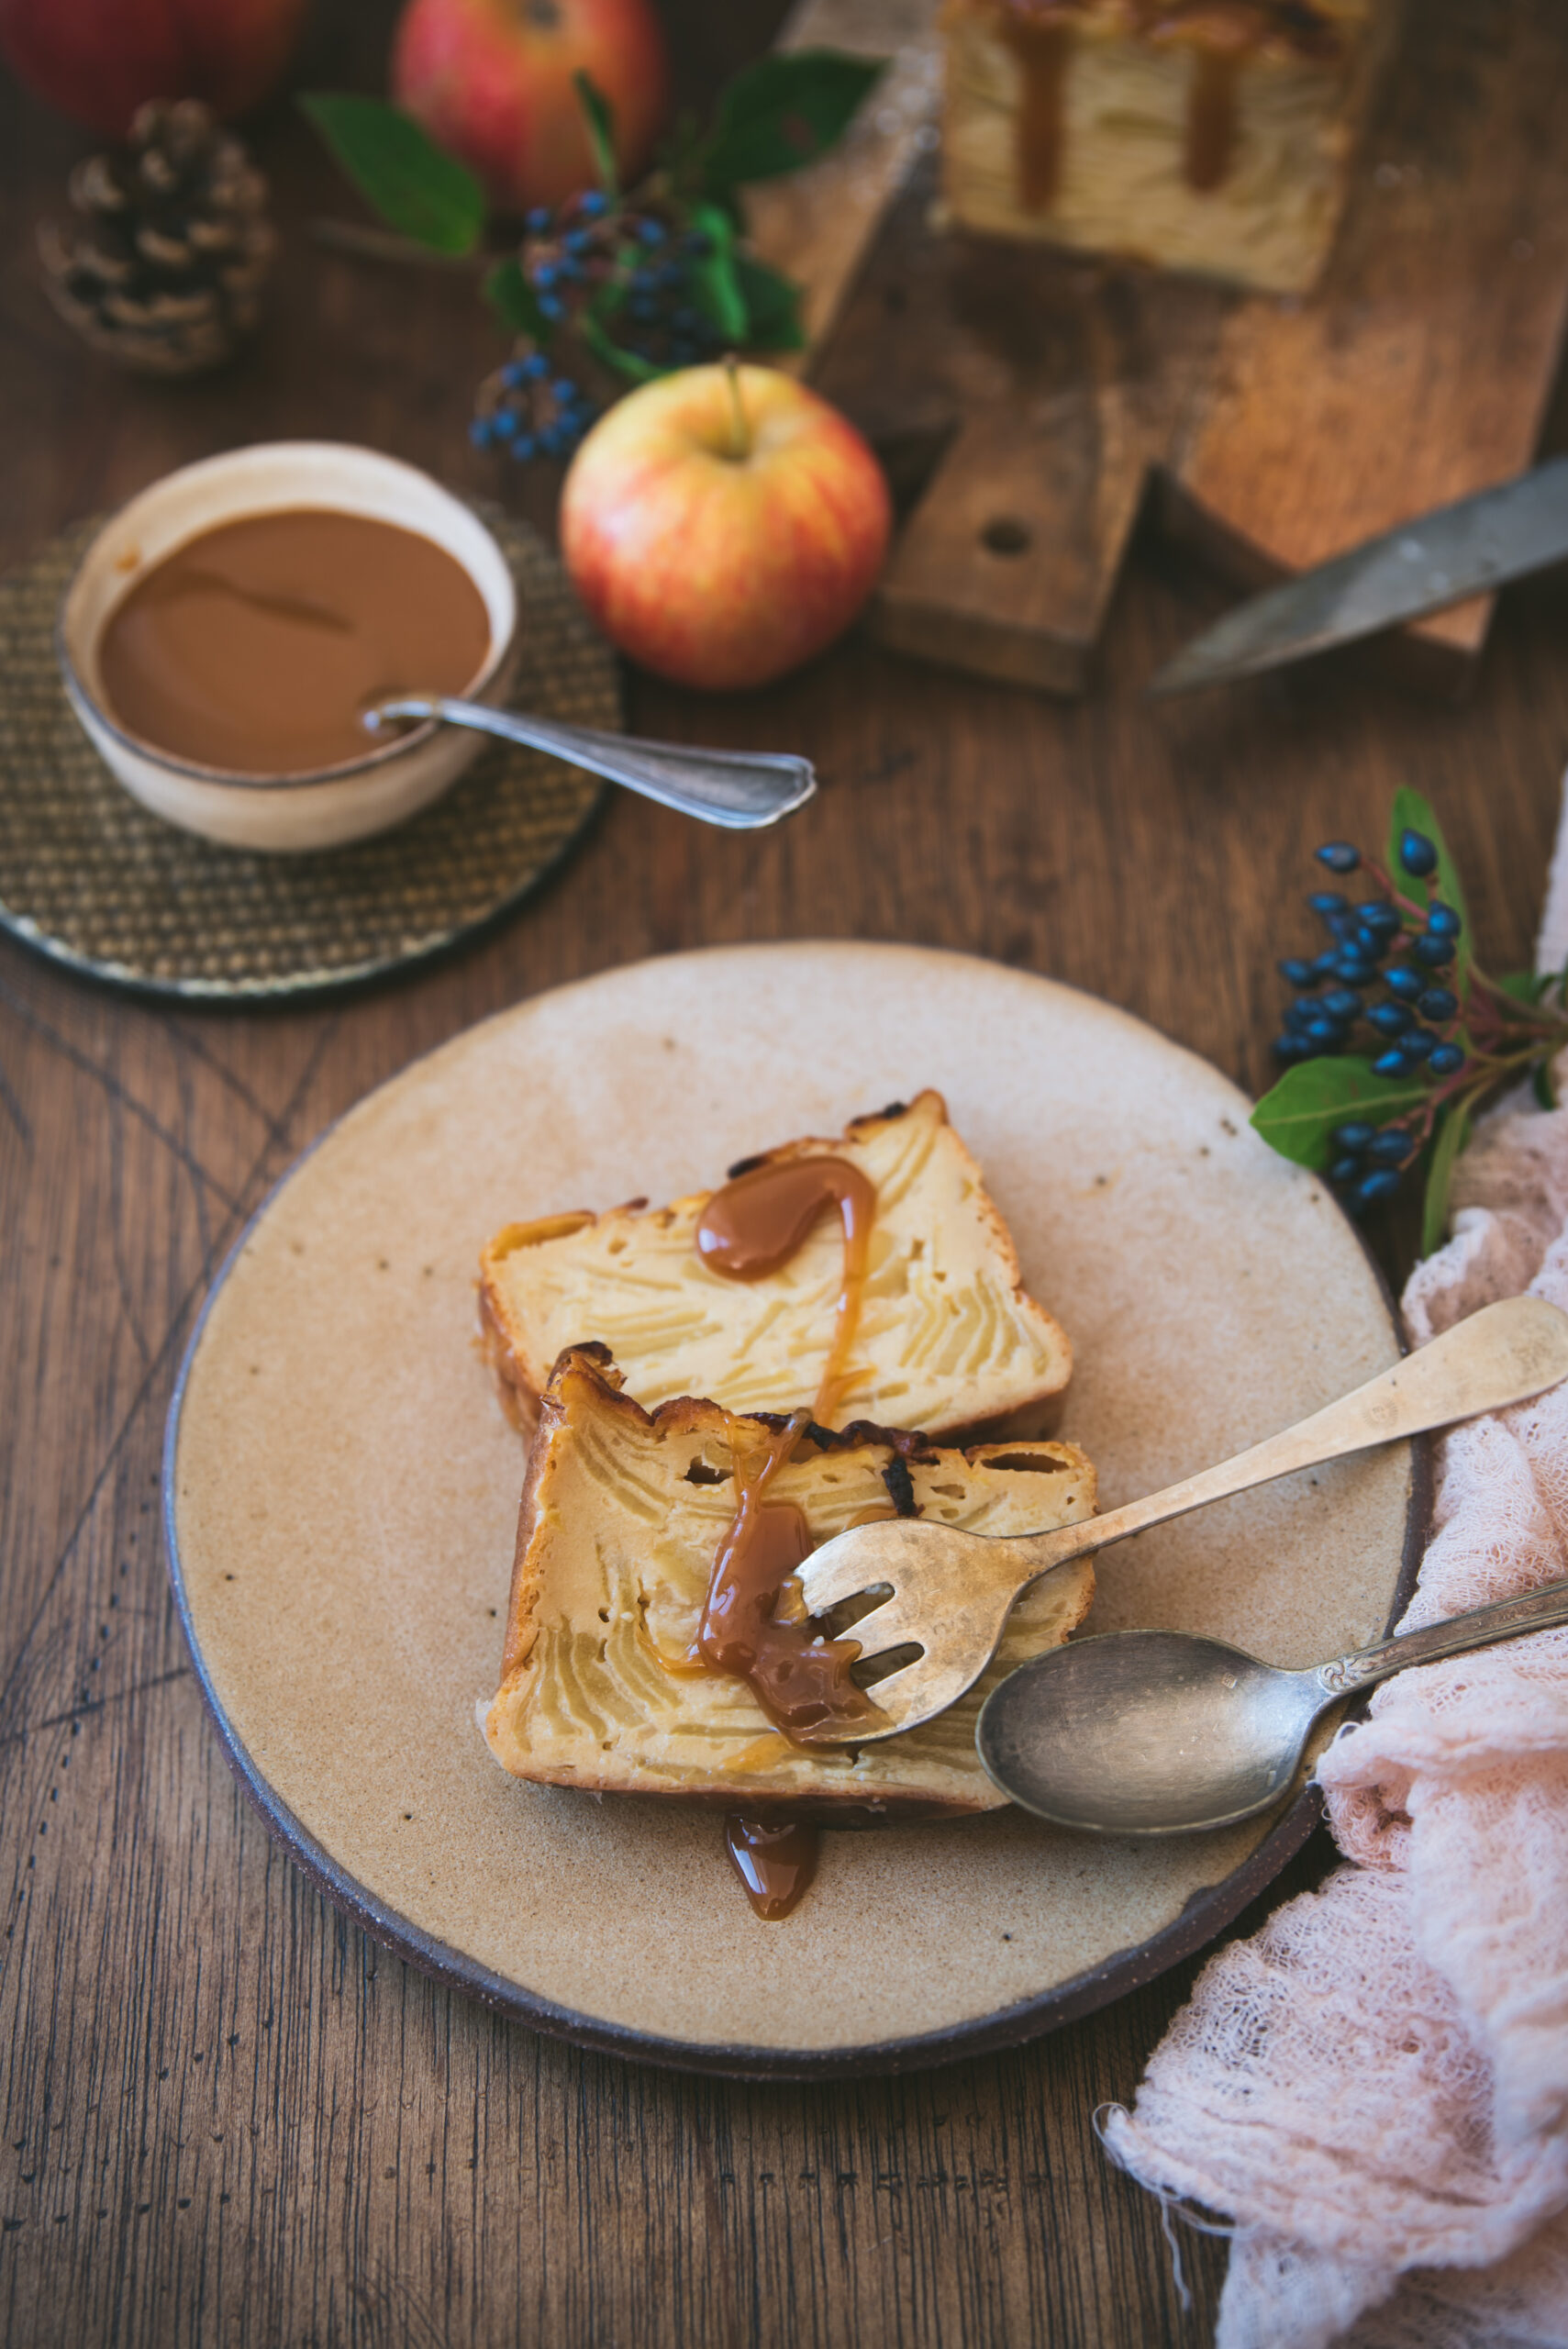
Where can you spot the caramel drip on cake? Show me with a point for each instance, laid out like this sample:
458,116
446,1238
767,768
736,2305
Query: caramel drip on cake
1040,41
1211,118
748,1228
1222,34
754,1225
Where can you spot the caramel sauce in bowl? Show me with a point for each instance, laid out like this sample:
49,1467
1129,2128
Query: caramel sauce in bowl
188,532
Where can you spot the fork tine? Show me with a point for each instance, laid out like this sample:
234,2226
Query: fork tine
905,1695
883,1627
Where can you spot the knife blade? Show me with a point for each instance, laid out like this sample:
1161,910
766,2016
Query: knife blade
1466,549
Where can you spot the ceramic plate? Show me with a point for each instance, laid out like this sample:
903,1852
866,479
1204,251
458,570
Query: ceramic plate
342,1492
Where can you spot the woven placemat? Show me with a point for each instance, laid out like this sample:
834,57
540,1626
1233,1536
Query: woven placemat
90,878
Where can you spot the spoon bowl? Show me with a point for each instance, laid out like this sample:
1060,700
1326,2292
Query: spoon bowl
1166,1734
1147,1733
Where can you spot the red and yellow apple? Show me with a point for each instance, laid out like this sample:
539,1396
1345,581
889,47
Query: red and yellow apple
723,524
492,83
97,61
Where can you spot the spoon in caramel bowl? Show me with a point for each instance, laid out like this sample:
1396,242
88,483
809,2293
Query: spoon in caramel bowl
742,791
952,1592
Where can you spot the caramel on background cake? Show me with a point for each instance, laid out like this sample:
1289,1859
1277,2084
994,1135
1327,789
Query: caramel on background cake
1207,135
943,1334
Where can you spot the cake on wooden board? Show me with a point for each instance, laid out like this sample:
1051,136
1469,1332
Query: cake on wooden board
623,1513
1213,136
944,1336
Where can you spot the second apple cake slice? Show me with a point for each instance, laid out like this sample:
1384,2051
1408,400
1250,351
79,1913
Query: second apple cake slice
942,1334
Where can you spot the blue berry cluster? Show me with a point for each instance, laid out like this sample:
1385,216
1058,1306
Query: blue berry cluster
623,275
529,410
662,325
1405,950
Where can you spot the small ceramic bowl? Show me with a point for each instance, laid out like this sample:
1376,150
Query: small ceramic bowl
327,805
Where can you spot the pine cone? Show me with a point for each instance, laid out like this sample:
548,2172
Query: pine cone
166,275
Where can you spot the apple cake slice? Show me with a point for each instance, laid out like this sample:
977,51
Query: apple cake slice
1207,135
604,1683
942,1334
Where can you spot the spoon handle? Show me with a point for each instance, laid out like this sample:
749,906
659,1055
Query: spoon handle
1533,1610
1500,1355
742,790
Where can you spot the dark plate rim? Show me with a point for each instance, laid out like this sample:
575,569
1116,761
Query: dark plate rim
1204,1917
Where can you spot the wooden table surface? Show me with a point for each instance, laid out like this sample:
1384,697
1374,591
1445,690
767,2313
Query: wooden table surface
227,2115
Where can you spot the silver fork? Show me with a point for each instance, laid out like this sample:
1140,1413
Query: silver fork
952,1592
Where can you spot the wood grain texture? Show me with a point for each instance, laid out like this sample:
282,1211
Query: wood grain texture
226,2117
1049,389
818,225
1422,371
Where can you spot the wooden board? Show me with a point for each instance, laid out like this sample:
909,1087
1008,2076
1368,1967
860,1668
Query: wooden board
1049,389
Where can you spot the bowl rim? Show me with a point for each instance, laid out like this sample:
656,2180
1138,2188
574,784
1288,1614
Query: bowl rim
378,755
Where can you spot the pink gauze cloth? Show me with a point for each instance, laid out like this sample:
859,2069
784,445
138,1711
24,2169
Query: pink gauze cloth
1373,2091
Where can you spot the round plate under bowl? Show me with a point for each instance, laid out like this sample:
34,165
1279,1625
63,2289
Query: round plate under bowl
341,1491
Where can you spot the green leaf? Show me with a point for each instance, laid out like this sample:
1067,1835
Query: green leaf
629,363
420,190
513,301
1411,812
598,116
784,112
1310,1099
714,284
1453,1132
1542,1085
773,307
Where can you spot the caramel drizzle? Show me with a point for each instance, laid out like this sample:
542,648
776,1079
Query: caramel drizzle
748,1228
1222,34
763,1214
1041,49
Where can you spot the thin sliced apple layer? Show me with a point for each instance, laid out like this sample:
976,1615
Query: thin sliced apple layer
947,1338
622,1515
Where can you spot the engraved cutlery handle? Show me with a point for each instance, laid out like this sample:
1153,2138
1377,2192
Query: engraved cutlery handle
740,790
1533,1610
1500,1355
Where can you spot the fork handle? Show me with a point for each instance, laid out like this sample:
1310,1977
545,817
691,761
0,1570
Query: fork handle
1503,1354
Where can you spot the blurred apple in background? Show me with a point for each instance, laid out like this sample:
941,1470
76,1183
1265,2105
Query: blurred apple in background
97,61
492,83
723,524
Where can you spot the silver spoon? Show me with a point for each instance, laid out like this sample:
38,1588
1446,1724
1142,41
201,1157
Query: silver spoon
1164,1733
742,790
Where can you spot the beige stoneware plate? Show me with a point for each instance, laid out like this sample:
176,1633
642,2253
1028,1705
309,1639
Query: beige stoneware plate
342,1490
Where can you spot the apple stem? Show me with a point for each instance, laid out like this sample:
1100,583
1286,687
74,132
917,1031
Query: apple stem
741,431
